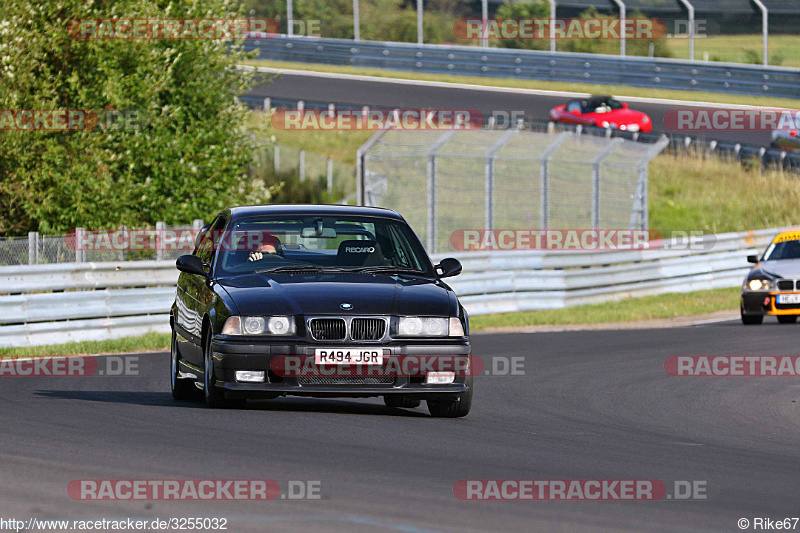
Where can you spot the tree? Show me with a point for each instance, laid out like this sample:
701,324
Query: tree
184,153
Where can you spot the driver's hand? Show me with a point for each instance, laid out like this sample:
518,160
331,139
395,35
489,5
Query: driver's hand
257,256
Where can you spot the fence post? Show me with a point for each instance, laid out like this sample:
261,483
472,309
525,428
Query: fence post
552,33
420,38
330,176
79,256
33,247
621,6
302,165
123,254
289,18
160,226
361,170
432,216
276,159
356,21
544,178
484,23
764,27
690,9
267,104
489,175
598,160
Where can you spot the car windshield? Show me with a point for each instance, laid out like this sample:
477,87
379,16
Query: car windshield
320,243
783,250
600,105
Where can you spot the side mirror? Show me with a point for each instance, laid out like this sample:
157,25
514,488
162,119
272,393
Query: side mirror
200,235
191,264
576,112
752,259
624,105
448,267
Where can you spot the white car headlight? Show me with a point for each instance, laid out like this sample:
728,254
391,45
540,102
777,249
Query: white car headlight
759,284
259,325
420,326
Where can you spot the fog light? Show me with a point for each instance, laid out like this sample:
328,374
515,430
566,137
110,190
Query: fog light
250,376
440,378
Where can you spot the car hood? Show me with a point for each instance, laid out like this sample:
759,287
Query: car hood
323,294
782,268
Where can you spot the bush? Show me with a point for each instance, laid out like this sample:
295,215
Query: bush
188,155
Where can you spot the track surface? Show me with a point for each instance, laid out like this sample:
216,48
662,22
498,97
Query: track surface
591,405
390,95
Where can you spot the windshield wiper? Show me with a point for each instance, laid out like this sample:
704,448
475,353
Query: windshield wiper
298,268
388,270
289,268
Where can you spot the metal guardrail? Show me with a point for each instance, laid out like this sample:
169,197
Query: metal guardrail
663,73
34,311
501,282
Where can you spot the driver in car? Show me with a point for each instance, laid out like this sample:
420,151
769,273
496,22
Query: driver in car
269,245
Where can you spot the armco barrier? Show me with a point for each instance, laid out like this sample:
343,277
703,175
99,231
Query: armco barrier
663,73
51,304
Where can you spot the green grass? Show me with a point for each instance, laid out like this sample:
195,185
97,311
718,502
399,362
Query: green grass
716,196
621,91
629,310
152,342
739,49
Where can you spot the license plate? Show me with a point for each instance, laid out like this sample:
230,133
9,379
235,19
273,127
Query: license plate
348,356
789,298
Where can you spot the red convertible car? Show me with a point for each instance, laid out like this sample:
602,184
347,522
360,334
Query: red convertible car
603,112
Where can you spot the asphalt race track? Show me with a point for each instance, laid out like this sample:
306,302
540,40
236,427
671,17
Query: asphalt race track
390,95
590,405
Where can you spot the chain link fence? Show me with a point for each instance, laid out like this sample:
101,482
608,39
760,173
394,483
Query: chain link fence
445,183
161,242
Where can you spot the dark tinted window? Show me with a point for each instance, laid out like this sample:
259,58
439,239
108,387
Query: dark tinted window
338,242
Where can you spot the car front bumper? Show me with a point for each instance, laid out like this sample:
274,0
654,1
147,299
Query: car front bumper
765,303
231,356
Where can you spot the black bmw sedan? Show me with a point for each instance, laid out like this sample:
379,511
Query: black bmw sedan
318,300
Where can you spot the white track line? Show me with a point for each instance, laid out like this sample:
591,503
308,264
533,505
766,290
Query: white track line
489,88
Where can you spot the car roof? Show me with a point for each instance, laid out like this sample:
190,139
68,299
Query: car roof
312,209
792,234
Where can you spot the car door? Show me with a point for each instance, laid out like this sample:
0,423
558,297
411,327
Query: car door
195,294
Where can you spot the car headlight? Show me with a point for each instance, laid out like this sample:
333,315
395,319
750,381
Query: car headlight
259,325
759,284
633,127
420,326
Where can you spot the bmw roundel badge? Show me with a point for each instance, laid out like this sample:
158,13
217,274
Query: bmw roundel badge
346,306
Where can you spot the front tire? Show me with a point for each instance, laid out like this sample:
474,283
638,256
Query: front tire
182,389
214,398
458,406
787,319
750,320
